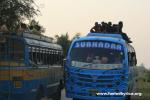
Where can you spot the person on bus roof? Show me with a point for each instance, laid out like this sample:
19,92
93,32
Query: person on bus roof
23,29
120,26
104,27
124,35
4,29
96,28
110,28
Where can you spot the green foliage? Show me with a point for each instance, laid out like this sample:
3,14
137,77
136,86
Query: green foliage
64,41
14,12
148,75
77,35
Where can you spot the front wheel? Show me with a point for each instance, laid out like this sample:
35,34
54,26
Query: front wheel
128,97
40,93
57,95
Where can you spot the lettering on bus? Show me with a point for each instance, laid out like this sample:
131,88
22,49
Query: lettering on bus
100,44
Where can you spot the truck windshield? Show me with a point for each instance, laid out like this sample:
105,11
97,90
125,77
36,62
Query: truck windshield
85,57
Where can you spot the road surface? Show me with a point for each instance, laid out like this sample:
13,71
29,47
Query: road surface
63,97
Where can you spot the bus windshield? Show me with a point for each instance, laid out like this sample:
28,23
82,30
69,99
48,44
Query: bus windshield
89,56
11,50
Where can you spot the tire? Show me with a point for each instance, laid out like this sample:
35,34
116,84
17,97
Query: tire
62,86
128,97
40,93
57,95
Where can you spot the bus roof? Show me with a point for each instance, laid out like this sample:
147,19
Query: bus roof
35,40
42,44
102,36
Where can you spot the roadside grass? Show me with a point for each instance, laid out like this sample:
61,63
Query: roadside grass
144,86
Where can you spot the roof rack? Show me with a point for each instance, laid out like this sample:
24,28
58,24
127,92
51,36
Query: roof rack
114,35
31,36
38,37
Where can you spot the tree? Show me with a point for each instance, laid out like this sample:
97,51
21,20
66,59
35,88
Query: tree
64,41
76,35
14,12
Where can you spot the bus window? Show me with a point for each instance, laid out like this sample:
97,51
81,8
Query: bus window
37,56
30,54
44,57
41,56
52,57
16,50
49,58
34,55
59,58
2,51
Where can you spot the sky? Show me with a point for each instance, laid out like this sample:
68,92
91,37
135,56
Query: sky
78,16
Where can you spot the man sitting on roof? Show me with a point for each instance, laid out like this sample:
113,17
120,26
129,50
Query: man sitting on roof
96,28
109,28
4,29
124,35
23,29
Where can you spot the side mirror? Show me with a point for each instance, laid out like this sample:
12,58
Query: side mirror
64,61
124,63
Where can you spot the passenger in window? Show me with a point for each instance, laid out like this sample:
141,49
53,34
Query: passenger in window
89,58
117,60
97,60
104,60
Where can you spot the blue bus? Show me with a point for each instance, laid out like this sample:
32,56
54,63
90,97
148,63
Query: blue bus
30,67
99,65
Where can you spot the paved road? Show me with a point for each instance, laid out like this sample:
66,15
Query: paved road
63,97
